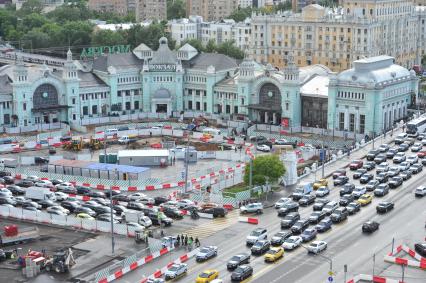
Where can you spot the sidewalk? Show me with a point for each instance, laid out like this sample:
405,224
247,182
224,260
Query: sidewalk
355,154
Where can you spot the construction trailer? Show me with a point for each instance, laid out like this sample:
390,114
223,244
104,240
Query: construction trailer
144,157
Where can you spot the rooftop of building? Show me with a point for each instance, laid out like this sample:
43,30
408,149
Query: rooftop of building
144,153
5,85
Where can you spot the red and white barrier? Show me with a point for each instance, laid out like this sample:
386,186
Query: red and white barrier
160,272
418,261
249,220
118,274
374,279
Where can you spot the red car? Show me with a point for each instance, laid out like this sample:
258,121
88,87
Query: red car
338,173
356,164
421,154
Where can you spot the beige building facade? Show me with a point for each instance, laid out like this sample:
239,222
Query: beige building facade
211,10
336,38
151,10
119,7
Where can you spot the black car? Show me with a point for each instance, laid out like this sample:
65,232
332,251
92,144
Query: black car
353,208
287,208
82,190
319,204
70,205
366,178
135,205
8,180
45,203
258,139
241,273
5,173
216,211
346,199
347,189
113,192
16,190
380,158
307,200
316,217
381,190
341,180
289,220
82,209
41,160
358,173
420,248
384,207
238,260
160,200
372,185
96,194
340,214
369,165
278,238
173,213
395,182
372,154
69,190
324,225
154,218
120,197
119,209
102,209
370,226
260,247
25,183
299,226
416,168
382,177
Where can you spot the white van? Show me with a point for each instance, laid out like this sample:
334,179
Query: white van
111,132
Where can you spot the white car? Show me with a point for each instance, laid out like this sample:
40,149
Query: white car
322,191
60,196
184,203
393,171
170,203
292,242
359,191
146,200
317,247
384,148
137,226
420,191
44,184
280,203
423,141
383,167
416,147
256,207
58,208
263,147
399,157
136,196
32,178
412,159
404,166
176,270
65,185
255,235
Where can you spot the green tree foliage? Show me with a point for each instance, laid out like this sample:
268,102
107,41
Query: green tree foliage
228,48
241,14
33,20
35,39
149,35
175,9
211,46
108,37
31,6
196,43
265,168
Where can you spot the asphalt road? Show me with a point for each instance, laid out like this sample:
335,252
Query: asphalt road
346,243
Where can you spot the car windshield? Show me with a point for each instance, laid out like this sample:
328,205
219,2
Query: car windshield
314,245
329,206
258,244
204,275
289,217
204,250
235,258
290,240
174,268
308,232
255,233
364,197
272,251
323,222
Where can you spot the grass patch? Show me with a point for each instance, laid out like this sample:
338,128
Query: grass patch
231,191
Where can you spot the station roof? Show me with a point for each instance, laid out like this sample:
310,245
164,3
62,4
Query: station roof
144,153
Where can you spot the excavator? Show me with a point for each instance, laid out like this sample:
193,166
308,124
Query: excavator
60,262
74,145
95,144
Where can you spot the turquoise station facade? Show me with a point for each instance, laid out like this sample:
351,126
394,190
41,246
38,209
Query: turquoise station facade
172,82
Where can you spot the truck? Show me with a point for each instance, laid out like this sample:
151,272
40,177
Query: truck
126,140
138,217
8,162
39,193
302,190
12,234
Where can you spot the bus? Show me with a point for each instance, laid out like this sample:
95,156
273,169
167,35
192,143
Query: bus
416,126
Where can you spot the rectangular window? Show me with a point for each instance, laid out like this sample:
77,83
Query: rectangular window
73,101
85,110
361,124
341,121
352,122
128,105
197,105
235,109
24,106
190,105
228,109
119,93
94,109
136,104
205,106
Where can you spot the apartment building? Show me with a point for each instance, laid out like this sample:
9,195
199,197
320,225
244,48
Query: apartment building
336,37
211,10
151,10
109,6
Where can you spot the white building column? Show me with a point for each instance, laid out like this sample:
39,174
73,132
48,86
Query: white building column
132,99
123,100
346,119
274,118
1,114
194,104
266,117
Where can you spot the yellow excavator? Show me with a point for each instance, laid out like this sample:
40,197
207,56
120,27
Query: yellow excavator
74,145
95,144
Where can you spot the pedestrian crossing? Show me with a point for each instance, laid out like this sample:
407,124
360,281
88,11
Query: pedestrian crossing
215,225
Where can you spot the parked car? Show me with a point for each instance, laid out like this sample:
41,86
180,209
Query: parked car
260,247
281,202
369,165
384,206
322,191
381,190
307,200
366,178
319,204
347,189
238,260
256,235
420,191
359,191
353,208
356,164
330,207
287,208
339,214
309,234
316,217
241,273
341,180
292,242
380,158
382,177
358,173
338,173
324,225
395,182
346,199
279,238
372,185
290,220
372,154
299,226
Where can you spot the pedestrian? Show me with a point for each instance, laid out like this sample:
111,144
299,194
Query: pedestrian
235,149
186,240
174,160
197,242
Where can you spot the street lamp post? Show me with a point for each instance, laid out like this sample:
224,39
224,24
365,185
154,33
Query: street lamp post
330,261
110,194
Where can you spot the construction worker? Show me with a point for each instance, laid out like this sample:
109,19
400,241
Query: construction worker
197,242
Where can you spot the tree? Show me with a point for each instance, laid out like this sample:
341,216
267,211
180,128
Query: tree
149,35
76,33
210,46
196,43
35,39
241,14
228,48
265,168
31,6
33,21
108,37
175,9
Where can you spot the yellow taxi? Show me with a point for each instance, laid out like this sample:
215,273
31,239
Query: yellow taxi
85,216
207,276
365,199
320,183
274,254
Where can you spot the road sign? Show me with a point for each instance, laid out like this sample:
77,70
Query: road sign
330,273
330,279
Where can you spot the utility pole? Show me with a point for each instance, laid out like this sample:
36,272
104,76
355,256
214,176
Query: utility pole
111,212
251,173
185,189
323,154
374,123
345,270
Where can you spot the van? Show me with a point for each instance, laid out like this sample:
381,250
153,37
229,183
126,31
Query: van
400,138
111,132
8,162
